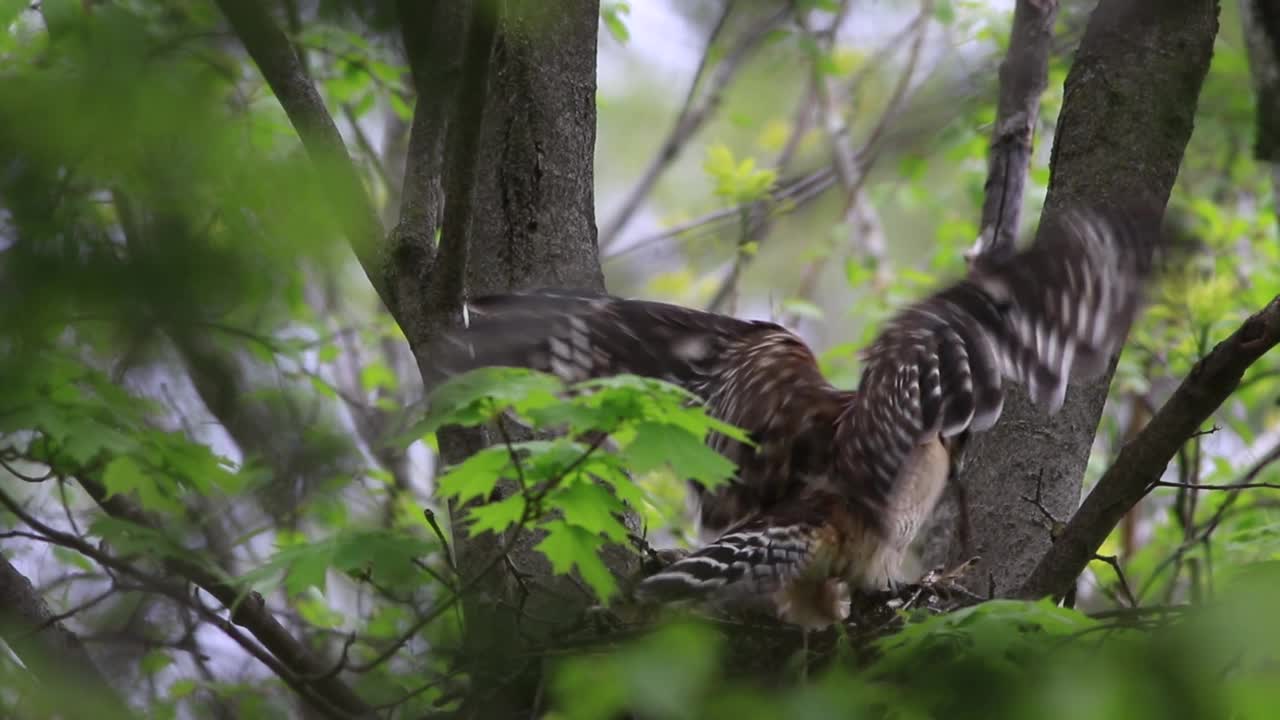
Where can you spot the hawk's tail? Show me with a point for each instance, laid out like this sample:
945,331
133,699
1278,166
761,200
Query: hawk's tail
784,568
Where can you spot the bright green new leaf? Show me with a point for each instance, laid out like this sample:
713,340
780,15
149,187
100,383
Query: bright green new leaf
154,661
612,13
377,376
658,444
592,508
569,547
496,516
474,477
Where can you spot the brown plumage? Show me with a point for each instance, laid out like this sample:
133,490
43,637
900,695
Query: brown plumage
839,482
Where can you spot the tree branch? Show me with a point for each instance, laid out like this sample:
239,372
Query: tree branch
696,110
433,34
53,653
247,611
1142,461
285,74
1023,77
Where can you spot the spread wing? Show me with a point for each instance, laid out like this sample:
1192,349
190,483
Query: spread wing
756,375
1063,305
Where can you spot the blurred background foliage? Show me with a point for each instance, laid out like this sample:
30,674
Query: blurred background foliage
182,322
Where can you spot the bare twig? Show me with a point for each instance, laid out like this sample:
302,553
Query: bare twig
1124,583
248,611
1211,526
317,694
1231,487
696,110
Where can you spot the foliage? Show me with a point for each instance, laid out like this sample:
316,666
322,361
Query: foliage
573,488
1001,659
183,333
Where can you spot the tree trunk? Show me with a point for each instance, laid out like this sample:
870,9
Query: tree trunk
529,222
1128,112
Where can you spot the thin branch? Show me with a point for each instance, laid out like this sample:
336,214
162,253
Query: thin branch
758,218
696,110
1232,487
798,192
22,476
1024,74
864,234
848,165
316,693
284,72
1211,526
1124,583
1142,461
246,610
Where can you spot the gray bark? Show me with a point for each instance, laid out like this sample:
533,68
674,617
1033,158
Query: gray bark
1130,102
520,216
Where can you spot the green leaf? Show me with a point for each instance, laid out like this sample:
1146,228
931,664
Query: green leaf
659,444
590,507
612,13
480,395
154,661
313,609
569,547
323,387
68,556
496,516
132,539
9,11
387,554
474,477
944,12
400,106
308,568
376,375
182,688
124,475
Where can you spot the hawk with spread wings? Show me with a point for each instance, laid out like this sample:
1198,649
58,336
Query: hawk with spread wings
837,482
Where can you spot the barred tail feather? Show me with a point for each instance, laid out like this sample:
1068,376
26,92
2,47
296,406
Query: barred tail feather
741,565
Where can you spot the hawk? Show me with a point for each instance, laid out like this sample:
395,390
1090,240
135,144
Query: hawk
837,482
